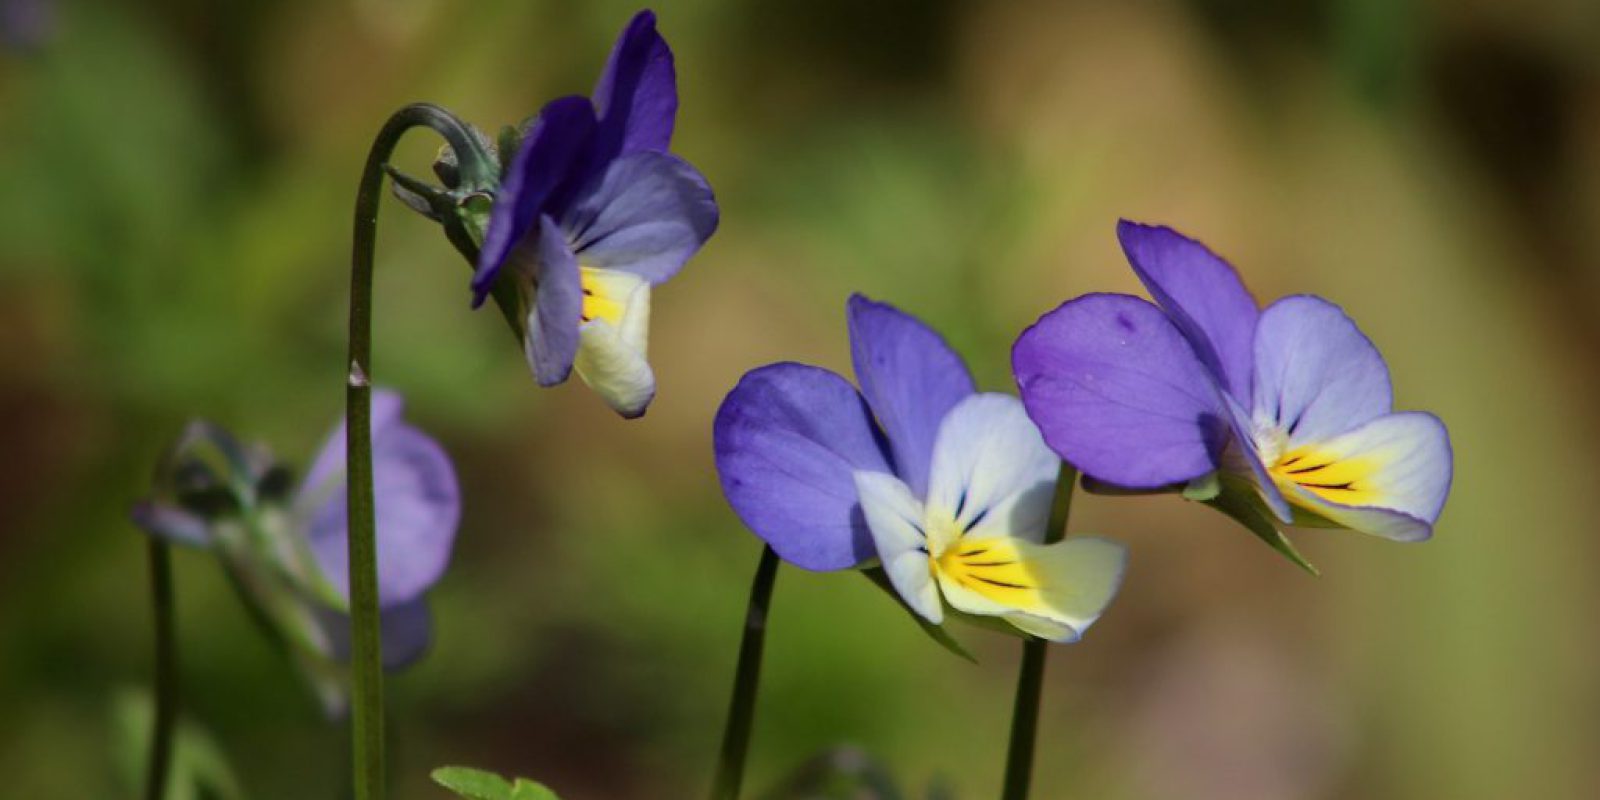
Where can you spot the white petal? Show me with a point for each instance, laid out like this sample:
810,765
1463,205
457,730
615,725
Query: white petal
895,518
611,346
1052,591
1388,477
991,469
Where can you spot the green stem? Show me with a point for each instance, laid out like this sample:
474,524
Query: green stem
166,711
366,663
741,712
1030,676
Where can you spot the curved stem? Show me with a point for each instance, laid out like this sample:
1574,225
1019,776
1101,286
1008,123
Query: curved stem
366,662
1030,676
741,711
166,710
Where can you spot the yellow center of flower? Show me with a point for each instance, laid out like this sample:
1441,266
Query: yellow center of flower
1345,481
604,296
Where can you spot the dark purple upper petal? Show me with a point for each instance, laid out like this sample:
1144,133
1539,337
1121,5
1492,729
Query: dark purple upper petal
554,151
1118,392
909,377
418,504
637,95
407,631
1203,296
788,440
1317,375
551,341
646,214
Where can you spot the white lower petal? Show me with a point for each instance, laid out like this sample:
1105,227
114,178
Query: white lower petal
894,516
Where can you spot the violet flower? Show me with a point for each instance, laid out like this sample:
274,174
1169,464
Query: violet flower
593,212
1289,407
285,549
948,487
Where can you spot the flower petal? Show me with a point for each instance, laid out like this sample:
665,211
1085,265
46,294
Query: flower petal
407,631
1203,296
418,505
637,95
646,214
894,516
1317,375
992,471
548,156
171,523
1242,457
1388,477
611,357
911,379
1054,591
1118,392
788,440
551,334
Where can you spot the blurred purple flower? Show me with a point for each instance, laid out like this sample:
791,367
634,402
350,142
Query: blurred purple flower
593,212
26,24
287,551
1291,403
949,488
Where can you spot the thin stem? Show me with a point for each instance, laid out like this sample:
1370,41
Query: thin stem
166,711
1030,676
366,662
741,711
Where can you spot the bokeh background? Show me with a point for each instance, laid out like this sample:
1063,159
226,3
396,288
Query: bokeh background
176,178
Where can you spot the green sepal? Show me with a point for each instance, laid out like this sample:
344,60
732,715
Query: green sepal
473,784
1203,489
1239,501
937,633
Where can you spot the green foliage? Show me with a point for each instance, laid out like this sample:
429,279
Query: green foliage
199,770
477,784
1238,500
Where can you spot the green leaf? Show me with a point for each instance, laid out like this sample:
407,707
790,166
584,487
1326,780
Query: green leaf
529,790
474,784
1239,501
937,633
198,768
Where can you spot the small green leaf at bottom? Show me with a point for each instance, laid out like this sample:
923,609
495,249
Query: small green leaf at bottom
473,784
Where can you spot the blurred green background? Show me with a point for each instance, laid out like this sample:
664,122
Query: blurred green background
176,178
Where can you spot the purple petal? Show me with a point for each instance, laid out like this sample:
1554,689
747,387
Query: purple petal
637,95
1203,296
552,326
387,406
1317,375
909,377
788,441
550,154
646,214
418,504
407,630
1118,392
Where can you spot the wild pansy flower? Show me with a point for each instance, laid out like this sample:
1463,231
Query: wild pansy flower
285,546
948,487
593,212
1289,406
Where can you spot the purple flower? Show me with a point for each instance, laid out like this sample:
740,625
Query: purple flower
949,488
1289,406
286,551
593,212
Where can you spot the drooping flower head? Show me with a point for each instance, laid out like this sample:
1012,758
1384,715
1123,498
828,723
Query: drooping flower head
285,547
592,213
1289,406
950,489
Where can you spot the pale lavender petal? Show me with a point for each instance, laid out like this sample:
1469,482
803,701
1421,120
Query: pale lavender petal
1119,393
1243,457
418,505
910,378
552,337
788,441
637,95
1317,375
646,214
1388,477
552,152
171,523
1203,296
